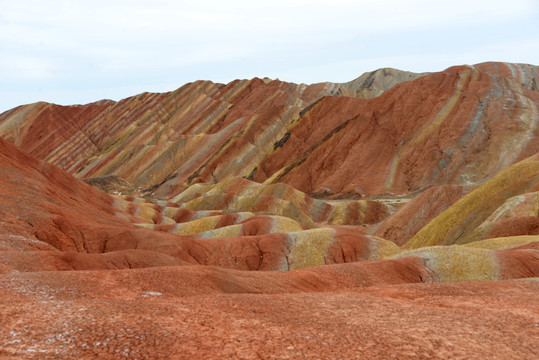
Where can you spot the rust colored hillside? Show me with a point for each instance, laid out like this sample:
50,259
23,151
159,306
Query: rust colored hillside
393,216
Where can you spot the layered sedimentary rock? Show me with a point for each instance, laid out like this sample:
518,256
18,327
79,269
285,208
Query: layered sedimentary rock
268,219
150,138
417,213
47,211
472,123
372,84
458,126
462,222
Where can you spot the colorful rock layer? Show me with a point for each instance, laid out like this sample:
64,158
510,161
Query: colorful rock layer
268,219
458,127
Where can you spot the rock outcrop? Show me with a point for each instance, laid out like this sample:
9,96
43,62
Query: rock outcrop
264,219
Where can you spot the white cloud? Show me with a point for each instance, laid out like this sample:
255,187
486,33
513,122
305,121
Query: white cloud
101,43
27,68
515,52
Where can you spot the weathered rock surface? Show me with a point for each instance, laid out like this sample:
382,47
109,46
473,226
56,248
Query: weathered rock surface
46,210
111,184
392,216
140,314
374,83
459,126
417,213
461,223
473,122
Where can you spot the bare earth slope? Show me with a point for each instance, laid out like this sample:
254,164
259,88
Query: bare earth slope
471,123
458,126
394,216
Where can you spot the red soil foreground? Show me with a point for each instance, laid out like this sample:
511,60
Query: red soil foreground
473,320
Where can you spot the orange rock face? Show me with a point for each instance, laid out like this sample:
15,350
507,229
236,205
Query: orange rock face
415,214
409,138
456,127
394,216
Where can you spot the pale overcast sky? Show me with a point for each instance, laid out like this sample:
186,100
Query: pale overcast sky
67,51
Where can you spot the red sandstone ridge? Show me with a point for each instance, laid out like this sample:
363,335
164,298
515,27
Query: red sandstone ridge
457,127
66,224
394,216
417,213
46,211
471,123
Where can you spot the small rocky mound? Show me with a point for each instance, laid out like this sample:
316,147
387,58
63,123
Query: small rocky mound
110,184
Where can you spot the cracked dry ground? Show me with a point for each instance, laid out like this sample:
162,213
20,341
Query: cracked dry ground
71,318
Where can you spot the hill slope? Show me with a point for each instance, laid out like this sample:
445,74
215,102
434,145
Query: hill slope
267,219
456,127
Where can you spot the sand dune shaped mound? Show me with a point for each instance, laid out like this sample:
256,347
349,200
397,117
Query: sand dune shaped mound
281,199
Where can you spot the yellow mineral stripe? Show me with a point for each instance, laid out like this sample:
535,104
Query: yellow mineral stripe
196,226
433,125
502,243
455,224
309,247
280,224
457,263
381,248
224,232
